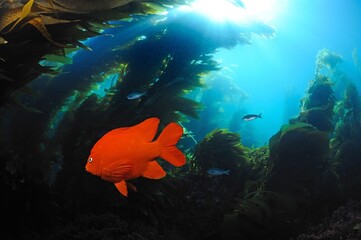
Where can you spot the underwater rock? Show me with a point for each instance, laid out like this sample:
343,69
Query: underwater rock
108,226
292,189
343,224
298,153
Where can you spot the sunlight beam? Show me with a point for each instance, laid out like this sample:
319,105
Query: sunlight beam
239,11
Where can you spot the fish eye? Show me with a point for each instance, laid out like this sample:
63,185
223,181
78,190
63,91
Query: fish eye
90,160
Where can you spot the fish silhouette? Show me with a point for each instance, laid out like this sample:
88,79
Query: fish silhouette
217,172
251,117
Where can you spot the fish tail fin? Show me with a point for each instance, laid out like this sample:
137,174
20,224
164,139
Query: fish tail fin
260,115
227,172
167,141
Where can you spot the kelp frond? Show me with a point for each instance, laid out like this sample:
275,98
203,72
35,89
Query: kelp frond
221,149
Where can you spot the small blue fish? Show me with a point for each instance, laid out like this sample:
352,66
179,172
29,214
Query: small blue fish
136,94
217,172
250,117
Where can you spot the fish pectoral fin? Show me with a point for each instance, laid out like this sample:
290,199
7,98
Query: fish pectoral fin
122,187
154,171
116,171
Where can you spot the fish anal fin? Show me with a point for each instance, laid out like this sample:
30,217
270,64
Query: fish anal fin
116,171
167,141
154,171
122,187
147,129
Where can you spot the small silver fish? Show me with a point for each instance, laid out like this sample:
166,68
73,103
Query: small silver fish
136,94
250,117
217,172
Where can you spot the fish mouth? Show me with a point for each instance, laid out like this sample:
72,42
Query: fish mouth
88,169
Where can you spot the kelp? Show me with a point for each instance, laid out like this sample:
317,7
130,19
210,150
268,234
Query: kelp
327,60
346,141
222,149
258,161
319,101
284,185
305,170
58,23
317,105
347,113
356,61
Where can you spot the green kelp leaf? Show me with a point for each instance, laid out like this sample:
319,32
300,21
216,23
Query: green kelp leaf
58,58
79,44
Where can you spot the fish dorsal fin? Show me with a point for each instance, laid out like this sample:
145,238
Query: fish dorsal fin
147,129
116,171
122,187
154,171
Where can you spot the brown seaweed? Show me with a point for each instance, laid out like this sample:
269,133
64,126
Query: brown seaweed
58,28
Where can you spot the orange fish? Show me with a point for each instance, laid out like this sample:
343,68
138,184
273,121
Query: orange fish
130,152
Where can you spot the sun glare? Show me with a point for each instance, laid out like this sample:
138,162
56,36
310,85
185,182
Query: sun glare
220,10
265,10
239,10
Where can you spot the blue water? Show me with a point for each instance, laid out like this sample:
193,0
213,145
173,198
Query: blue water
275,72
272,72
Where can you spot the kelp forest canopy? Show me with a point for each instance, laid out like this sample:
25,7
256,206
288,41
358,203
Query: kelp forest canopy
31,31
